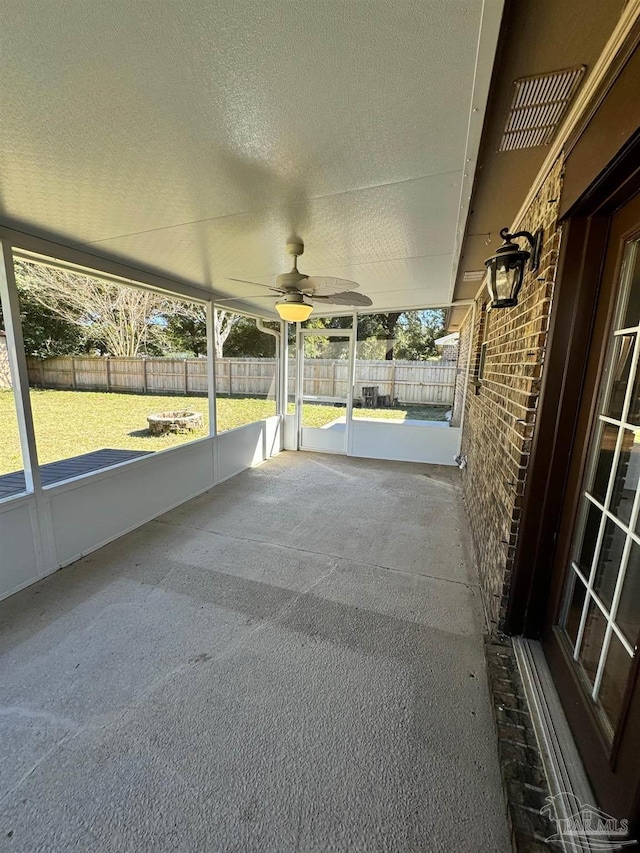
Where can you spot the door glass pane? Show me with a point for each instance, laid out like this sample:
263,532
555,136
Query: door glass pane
626,478
614,680
609,561
633,416
589,538
620,367
592,640
604,461
631,319
632,311
628,614
603,534
574,612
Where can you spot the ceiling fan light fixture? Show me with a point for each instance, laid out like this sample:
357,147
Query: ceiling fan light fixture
295,286
293,308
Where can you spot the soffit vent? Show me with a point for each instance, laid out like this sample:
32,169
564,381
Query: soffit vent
474,275
537,106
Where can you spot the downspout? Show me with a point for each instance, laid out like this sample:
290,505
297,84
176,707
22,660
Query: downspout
276,334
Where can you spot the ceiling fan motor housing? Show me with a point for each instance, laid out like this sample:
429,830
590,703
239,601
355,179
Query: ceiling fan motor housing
290,280
294,296
295,248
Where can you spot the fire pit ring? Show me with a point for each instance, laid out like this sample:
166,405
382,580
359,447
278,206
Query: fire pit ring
182,420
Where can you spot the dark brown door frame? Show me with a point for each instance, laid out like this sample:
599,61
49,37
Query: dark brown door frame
584,239
613,767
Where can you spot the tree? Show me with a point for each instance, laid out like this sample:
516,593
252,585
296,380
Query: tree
417,332
186,328
376,333
223,321
122,321
316,346
407,335
388,323
45,333
245,340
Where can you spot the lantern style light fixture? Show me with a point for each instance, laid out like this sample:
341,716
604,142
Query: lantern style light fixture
506,268
293,308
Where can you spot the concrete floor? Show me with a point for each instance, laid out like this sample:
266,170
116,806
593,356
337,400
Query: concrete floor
292,661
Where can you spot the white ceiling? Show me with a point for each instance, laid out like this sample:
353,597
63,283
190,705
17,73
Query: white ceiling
194,138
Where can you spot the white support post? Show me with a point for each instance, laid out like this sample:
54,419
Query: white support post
299,382
284,370
277,378
351,381
19,371
211,368
43,539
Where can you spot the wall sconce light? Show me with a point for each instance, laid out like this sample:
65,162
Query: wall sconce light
506,267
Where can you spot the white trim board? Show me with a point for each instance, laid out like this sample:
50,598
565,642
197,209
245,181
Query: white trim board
560,758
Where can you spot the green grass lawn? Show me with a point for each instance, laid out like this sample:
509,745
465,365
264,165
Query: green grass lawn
317,415
69,423
403,413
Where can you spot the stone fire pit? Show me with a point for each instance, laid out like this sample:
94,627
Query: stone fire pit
181,421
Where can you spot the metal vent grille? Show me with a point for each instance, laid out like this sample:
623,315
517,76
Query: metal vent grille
473,275
537,107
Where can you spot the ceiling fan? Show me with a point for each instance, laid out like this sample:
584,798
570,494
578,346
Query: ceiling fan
300,292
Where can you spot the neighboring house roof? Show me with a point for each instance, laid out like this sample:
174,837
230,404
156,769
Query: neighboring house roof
447,340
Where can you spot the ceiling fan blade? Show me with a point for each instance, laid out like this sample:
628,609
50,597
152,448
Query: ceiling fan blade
244,298
255,283
325,284
347,297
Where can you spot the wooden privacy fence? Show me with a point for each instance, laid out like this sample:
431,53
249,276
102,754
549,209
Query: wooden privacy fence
406,381
135,375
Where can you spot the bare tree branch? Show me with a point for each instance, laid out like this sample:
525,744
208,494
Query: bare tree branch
224,321
123,320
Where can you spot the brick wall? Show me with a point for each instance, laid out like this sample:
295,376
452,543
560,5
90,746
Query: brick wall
500,411
449,352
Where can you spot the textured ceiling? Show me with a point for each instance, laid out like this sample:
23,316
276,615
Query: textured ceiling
194,139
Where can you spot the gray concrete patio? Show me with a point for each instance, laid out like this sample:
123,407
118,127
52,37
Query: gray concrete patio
292,661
